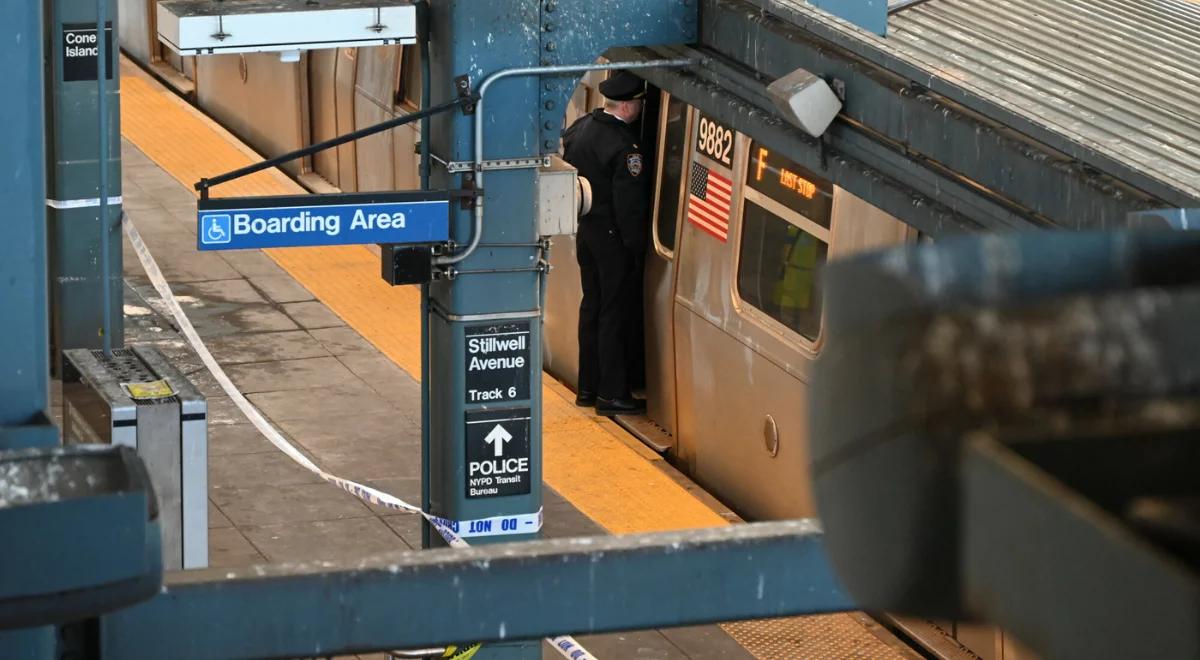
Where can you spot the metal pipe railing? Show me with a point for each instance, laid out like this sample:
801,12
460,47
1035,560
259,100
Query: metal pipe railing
105,224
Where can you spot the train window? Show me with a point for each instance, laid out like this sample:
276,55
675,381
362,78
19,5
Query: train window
408,87
784,181
673,152
786,229
777,269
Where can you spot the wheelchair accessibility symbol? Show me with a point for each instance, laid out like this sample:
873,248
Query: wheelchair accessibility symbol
215,229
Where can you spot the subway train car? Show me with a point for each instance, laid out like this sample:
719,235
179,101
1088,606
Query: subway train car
732,303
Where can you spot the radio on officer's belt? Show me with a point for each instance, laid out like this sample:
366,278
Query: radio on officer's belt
562,196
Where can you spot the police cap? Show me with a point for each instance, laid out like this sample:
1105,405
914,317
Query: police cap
623,86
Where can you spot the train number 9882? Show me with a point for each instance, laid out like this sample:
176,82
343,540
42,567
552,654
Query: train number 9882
715,141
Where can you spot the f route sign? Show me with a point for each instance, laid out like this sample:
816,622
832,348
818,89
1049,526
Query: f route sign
234,223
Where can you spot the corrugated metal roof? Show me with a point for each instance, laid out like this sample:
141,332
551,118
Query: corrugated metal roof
1120,76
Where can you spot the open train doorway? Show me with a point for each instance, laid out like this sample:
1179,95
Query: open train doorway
650,347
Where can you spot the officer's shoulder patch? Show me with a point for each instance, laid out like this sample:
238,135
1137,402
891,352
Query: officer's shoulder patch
634,163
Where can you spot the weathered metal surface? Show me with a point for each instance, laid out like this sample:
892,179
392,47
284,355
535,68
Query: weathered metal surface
578,31
1048,331
84,245
80,535
1120,77
955,144
499,592
1047,550
24,368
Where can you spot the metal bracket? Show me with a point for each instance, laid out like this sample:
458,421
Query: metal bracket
457,166
462,87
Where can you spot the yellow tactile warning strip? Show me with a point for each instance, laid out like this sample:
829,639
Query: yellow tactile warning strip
584,461
822,636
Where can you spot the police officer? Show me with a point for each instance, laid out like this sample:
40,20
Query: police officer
603,146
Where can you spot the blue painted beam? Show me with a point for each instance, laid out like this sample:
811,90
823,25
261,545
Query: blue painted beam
491,593
869,15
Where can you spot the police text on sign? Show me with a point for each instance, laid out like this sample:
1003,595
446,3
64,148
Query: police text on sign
498,453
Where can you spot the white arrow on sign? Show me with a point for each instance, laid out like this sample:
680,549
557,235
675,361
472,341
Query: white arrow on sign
497,437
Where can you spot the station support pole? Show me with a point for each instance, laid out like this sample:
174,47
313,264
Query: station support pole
482,466
84,245
24,354
24,366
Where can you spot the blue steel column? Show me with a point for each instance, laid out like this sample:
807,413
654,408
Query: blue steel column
77,260
501,30
24,363
24,368
500,285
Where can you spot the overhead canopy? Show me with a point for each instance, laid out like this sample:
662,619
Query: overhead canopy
205,27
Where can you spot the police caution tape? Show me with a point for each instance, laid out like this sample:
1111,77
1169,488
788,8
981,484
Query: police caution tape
453,531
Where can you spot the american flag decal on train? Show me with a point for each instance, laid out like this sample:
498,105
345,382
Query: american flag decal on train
708,201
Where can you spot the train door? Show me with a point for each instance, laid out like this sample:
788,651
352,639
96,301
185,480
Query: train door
374,99
322,99
343,98
138,25
659,296
709,376
408,138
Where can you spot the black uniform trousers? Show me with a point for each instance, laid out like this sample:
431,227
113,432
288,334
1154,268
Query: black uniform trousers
606,271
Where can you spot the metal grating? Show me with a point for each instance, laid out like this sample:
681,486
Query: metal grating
1120,77
823,637
125,366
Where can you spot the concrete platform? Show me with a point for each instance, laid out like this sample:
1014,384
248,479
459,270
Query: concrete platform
342,402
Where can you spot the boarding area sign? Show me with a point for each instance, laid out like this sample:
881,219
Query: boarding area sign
237,223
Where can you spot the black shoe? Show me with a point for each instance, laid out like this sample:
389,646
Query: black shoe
630,406
585,399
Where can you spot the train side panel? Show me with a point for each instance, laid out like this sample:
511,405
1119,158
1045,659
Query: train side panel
258,98
345,74
322,111
136,24
373,103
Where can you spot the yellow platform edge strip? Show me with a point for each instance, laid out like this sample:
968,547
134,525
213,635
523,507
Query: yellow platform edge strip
596,472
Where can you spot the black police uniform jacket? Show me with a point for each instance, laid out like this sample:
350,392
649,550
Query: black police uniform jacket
605,151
